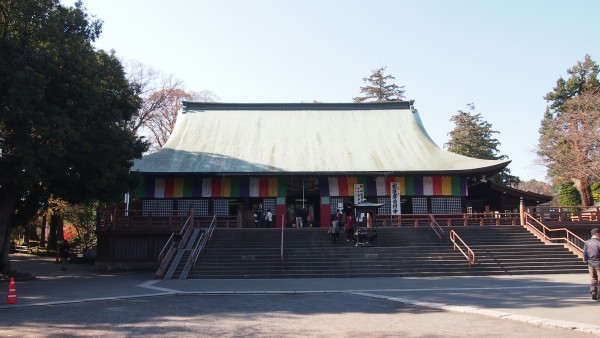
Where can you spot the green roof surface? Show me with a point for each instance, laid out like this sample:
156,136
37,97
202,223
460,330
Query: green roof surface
317,138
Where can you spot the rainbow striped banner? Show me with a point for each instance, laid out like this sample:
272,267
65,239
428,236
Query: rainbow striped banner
191,187
409,185
272,186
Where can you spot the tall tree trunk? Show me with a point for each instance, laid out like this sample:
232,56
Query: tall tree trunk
43,234
56,233
7,205
583,186
60,231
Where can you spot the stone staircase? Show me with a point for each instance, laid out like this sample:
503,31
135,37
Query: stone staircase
399,252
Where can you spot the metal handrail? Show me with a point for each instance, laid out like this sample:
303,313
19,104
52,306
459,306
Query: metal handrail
186,230
167,252
436,227
168,245
469,255
569,238
204,239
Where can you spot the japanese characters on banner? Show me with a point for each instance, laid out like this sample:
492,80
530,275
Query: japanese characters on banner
359,193
395,197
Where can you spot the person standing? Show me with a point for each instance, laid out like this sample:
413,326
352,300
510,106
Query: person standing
260,216
64,251
335,230
591,256
298,215
269,218
349,227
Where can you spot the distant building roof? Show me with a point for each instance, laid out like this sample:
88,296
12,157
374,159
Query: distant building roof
319,138
529,197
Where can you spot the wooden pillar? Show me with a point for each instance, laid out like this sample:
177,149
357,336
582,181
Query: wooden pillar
191,216
522,211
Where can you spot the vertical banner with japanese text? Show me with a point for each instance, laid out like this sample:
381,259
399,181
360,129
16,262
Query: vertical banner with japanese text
359,193
395,198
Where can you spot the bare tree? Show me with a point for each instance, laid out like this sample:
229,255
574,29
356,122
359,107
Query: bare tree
161,121
572,153
162,97
148,82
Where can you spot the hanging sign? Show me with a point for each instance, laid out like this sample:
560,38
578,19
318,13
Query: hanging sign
395,198
359,193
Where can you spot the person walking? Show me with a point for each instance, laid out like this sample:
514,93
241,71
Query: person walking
64,251
591,256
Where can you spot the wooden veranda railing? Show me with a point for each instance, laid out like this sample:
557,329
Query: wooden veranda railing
576,214
467,219
171,220
154,220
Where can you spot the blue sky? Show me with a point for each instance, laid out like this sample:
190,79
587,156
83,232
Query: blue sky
503,56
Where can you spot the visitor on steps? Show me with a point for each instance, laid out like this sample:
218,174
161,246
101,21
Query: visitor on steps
591,256
349,227
269,218
335,230
298,215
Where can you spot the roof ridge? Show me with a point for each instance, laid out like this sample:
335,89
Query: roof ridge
189,106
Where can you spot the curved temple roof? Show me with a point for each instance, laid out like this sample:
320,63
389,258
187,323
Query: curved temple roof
320,138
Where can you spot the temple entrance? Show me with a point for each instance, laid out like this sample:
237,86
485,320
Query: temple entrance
303,201
308,209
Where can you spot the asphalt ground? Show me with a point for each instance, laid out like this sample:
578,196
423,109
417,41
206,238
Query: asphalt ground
83,301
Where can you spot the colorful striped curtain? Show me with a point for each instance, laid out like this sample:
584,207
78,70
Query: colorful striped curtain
213,187
263,186
409,185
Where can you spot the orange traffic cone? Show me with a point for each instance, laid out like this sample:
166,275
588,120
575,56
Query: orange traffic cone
11,298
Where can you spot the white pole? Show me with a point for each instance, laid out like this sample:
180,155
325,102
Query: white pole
302,193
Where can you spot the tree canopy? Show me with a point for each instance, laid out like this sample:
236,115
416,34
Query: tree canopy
377,88
569,140
474,137
64,111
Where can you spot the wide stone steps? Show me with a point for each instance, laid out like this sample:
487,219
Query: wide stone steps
399,252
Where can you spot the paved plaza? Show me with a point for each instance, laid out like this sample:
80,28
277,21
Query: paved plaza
83,301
